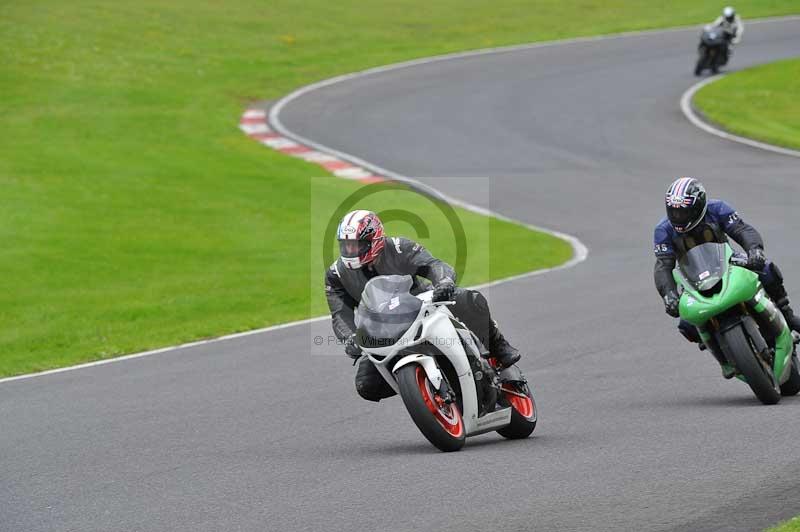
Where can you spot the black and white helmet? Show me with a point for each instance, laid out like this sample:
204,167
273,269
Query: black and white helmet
686,203
729,13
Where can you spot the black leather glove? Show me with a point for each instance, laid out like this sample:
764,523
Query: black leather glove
351,349
444,291
671,301
756,260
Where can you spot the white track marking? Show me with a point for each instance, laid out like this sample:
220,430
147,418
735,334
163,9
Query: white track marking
279,143
352,173
255,113
165,349
690,113
254,129
580,250
317,157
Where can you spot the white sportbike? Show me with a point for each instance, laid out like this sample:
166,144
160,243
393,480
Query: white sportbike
449,383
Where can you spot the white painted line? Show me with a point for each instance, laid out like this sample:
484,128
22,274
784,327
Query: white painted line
166,349
255,113
352,173
317,157
279,143
253,129
690,113
580,251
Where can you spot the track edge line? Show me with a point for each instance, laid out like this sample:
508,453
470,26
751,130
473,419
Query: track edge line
691,114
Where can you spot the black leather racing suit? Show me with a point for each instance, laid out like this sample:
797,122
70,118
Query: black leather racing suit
400,256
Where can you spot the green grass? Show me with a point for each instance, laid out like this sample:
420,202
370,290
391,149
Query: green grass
761,102
134,213
792,525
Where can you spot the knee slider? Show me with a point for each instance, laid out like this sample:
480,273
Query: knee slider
367,392
776,272
689,331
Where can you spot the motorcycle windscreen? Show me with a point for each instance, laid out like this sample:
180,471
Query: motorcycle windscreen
704,266
386,311
713,37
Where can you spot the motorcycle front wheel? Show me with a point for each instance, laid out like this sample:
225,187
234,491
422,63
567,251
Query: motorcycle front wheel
701,62
755,371
439,422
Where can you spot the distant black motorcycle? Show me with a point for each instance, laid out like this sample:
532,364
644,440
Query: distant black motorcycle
712,51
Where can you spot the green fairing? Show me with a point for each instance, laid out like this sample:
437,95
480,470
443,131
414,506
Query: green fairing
784,347
740,285
784,343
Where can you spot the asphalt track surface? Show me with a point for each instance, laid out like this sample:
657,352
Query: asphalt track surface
638,430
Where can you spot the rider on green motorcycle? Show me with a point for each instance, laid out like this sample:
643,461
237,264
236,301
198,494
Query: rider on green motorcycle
692,219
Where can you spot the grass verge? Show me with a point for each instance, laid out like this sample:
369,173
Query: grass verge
761,103
134,213
792,525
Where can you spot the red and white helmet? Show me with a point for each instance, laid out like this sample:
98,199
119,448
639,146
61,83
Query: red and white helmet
360,237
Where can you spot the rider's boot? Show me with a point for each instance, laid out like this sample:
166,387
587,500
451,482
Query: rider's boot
506,354
691,333
728,371
781,298
791,318
772,280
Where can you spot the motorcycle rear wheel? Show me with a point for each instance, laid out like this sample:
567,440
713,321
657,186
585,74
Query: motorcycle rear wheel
792,384
758,377
524,413
439,422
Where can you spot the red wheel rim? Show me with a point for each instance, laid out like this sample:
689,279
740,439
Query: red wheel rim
521,403
447,415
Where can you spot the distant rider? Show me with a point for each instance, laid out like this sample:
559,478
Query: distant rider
365,253
691,220
733,27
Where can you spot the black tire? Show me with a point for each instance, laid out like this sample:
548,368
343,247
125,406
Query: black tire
701,62
522,423
698,69
756,374
416,391
792,385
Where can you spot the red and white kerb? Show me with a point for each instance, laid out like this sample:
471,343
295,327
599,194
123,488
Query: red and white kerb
254,124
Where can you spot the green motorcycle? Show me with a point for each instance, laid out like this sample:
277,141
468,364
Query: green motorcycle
737,321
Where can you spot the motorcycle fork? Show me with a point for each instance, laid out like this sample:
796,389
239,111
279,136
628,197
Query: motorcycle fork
765,352
711,343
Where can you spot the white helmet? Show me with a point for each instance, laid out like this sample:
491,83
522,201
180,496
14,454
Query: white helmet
361,238
729,13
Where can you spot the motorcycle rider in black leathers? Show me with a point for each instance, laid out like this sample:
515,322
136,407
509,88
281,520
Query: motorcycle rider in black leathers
365,253
692,219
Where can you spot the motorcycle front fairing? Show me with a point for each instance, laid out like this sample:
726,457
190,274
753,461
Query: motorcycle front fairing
699,273
431,324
